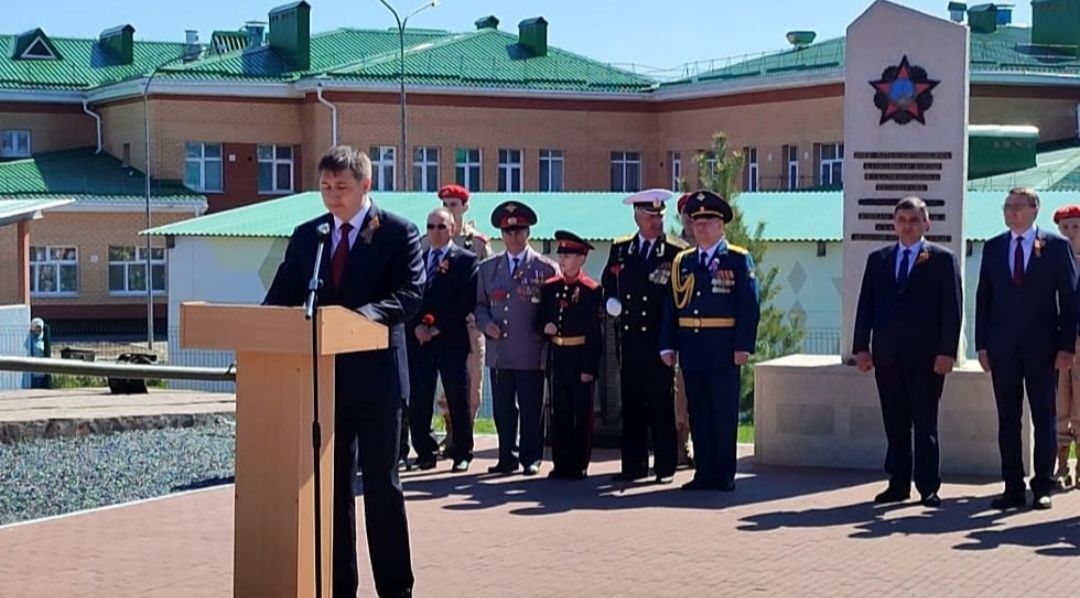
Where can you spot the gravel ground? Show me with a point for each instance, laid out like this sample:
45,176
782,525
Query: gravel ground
40,478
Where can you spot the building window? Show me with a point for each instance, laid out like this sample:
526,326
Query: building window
202,166
791,154
127,269
54,270
15,143
752,180
832,164
510,171
383,168
467,168
426,169
676,170
710,164
626,171
275,169
551,170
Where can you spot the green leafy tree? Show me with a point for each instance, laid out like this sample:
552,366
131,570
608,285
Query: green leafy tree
720,171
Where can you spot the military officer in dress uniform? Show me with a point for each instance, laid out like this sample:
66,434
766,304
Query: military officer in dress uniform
456,199
572,317
507,301
710,325
635,281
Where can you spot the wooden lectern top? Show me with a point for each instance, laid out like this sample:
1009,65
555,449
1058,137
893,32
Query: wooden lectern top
271,329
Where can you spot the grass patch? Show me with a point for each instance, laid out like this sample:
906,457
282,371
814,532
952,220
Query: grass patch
746,433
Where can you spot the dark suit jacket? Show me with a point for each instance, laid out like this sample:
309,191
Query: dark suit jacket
449,298
383,281
913,325
1038,317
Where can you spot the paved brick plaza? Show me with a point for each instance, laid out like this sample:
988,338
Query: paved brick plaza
790,532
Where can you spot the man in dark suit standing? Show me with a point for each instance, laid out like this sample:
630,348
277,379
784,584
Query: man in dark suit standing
371,264
438,343
1025,328
907,329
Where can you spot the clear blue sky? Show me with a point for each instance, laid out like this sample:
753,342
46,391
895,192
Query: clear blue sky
656,33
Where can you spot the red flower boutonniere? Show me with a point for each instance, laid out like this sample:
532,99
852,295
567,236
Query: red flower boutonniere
616,268
428,320
563,304
923,256
444,266
1038,246
499,294
369,230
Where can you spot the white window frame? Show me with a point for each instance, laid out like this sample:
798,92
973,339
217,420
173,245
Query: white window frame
830,163
275,185
463,169
203,161
383,159
424,158
676,170
753,181
792,158
13,135
56,263
26,55
552,157
506,170
137,262
623,160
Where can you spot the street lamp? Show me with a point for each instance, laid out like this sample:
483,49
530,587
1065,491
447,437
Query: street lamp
402,23
149,277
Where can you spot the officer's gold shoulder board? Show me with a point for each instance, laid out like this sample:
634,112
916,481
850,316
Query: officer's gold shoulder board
737,249
624,239
677,242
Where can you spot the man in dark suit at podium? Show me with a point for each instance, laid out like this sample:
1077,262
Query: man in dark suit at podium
371,264
910,304
1025,328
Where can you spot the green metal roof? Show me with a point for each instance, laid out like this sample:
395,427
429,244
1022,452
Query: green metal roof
85,64
15,210
483,58
1055,170
1009,49
81,172
788,216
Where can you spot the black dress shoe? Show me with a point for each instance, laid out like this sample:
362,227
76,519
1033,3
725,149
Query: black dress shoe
1009,501
502,468
1042,502
425,463
891,495
726,486
931,500
556,474
460,466
629,476
697,485
577,475
665,479
531,470
405,465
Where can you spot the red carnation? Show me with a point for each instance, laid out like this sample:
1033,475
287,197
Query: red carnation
428,320
616,268
499,294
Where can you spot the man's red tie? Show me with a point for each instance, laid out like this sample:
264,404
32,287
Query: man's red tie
1018,262
341,256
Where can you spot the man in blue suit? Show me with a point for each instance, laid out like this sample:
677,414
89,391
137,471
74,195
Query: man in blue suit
371,264
438,343
909,315
710,325
1025,328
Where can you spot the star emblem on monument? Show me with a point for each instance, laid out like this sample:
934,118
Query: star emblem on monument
903,93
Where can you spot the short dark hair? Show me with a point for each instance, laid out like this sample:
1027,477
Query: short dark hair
915,204
1027,193
343,157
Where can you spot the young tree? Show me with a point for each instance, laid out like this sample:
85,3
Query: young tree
720,170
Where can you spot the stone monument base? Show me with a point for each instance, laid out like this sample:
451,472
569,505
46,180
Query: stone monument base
809,410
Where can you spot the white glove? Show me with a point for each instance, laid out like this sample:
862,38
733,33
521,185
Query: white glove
614,307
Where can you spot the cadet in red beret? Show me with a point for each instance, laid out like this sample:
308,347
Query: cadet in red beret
1068,391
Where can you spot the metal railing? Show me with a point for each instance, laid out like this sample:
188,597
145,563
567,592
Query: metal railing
76,367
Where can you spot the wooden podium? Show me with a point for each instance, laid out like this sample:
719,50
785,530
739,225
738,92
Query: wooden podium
274,537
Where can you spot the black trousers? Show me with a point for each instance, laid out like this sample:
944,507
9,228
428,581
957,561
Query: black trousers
712,400
370,431
648,408
426,365
518,393
1011,374
909,399
571,423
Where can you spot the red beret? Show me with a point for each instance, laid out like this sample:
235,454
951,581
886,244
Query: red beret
1070,211
454,192
682,202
